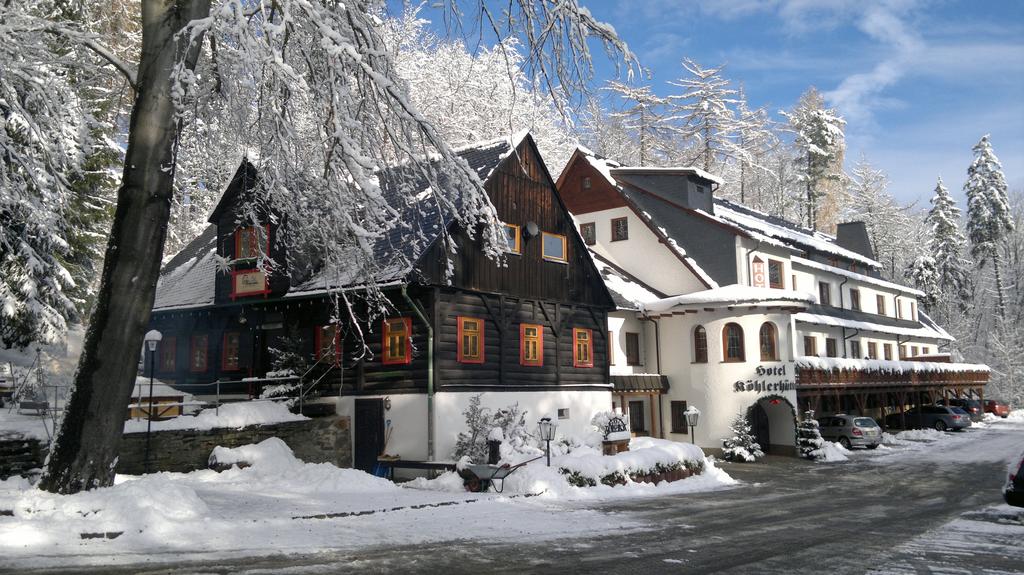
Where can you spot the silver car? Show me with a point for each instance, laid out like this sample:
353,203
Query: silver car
851,430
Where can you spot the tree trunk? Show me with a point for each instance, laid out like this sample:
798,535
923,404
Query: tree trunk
1000,302
85,452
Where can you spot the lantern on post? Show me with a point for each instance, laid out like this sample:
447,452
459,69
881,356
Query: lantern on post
692,416
547,433
152,338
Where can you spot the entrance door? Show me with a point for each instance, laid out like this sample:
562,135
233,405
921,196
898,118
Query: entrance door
636,418
369,433
759,423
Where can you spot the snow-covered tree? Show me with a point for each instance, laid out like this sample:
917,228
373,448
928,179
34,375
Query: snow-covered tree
607,136
707,116
924,275
946,248
742,446
808,435
311,87
642,114
820,144
988,213
757,141
887,222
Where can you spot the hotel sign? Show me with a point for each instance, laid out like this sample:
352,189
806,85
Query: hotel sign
767,379
760,280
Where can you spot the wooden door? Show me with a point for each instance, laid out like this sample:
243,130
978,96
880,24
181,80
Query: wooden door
369,433
759,423
636,418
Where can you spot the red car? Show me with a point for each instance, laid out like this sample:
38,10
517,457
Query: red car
997,407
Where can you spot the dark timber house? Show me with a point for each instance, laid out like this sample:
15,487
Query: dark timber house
532,332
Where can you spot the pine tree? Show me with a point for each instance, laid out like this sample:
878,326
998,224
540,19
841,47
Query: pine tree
988,213
706,110
754,136
820,145
923,273
642,114
886,220
742,446
946,247
809,437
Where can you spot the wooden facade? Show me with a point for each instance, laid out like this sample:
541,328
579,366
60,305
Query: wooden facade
241,330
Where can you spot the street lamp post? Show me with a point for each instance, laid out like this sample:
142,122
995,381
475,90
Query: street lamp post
547,433
692,415
151,338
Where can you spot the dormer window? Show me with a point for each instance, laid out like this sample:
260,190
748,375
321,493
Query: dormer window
247,242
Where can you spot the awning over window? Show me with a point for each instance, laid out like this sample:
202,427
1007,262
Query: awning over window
640,383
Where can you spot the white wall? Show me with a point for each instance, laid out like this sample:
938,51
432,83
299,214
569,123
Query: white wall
710,387
660,269
619,323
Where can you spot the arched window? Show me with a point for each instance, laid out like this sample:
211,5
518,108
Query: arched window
732,342
700,345
769,338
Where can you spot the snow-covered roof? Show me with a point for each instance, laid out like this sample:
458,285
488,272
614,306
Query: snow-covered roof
669,171
855,276
627,291
734,294
835,321
785,231
188,280
893,366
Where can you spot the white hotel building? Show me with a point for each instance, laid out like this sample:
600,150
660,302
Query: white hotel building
734,311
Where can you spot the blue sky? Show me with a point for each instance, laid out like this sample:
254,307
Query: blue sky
919,82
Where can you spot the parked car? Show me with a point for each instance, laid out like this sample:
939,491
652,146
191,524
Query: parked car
938,417
971,406
997,407
1013,492
851,430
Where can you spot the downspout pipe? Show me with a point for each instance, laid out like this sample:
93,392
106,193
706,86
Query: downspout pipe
657,362
430,370
842,305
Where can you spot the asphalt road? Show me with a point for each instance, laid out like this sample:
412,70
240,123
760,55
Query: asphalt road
873,514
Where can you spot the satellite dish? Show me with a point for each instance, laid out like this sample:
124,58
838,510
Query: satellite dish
531,229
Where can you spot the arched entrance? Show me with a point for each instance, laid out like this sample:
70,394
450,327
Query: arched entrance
773,422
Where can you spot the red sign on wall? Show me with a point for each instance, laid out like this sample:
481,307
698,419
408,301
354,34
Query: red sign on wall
760,278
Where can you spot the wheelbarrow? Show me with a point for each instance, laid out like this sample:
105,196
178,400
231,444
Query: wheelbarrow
479,477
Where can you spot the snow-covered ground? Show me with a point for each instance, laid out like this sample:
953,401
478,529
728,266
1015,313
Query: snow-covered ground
282,505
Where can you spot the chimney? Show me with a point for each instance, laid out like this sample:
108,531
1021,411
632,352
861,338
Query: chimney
854,237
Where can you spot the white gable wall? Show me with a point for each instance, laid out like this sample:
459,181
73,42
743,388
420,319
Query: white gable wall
642,255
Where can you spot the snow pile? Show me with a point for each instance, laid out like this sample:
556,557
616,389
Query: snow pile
149,509
921,435
646,456
890,439
831,452
273,467
1016,416
231,415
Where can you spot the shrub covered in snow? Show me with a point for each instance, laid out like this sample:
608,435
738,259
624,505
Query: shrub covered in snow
646,459
809,438
481,422
742,446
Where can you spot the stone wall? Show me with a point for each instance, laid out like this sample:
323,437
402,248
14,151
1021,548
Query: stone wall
20,454
319,440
